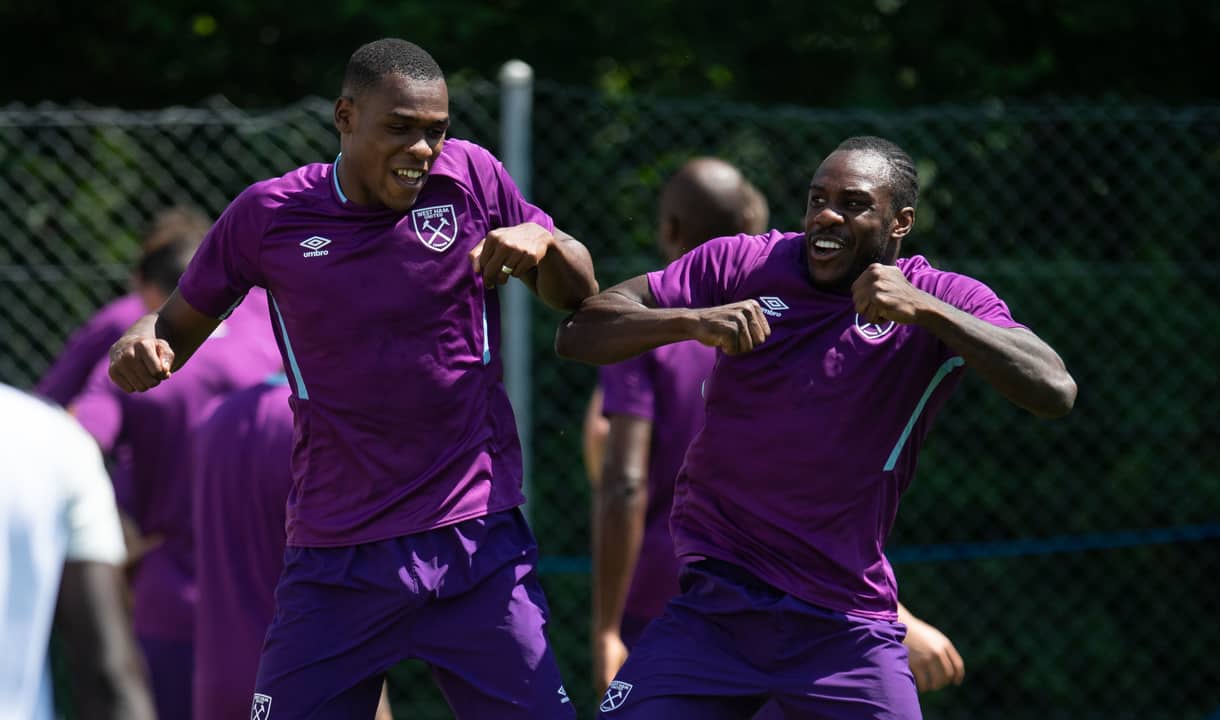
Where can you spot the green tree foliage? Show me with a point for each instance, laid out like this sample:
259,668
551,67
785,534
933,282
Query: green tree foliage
138,53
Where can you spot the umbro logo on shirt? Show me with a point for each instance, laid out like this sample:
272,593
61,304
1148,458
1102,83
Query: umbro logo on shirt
314,246
772,305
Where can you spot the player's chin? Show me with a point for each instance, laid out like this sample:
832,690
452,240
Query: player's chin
831,279
400,199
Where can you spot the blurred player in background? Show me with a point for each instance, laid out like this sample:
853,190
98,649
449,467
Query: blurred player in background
60,537
155,429
88,345
404,534
835,357
242,483
654,410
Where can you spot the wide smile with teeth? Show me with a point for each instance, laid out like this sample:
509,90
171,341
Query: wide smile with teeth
828,244
409,174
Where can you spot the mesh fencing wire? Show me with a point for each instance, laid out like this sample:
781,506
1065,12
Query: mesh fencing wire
1071,562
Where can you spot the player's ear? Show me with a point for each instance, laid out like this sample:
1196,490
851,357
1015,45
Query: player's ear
904,221
345,114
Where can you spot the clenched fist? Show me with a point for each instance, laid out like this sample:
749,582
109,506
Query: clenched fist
140,363
510,252
883,293
736,328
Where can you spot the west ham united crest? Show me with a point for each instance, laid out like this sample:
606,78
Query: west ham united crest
261,709
873,331
436,226
616,694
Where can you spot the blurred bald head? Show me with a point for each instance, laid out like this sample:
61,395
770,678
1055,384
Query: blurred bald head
707,198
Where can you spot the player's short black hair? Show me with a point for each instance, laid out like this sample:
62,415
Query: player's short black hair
904,178
373,61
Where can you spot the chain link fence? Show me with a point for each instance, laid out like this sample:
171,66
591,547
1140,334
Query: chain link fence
1071,562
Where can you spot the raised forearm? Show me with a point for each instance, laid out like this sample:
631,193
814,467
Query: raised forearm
158,344
611,327
155,326
565,274
1018,364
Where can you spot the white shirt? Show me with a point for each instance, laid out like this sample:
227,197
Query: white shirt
56,504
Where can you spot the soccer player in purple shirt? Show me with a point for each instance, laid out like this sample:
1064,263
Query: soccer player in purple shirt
835,355
382,268
155,429
655,407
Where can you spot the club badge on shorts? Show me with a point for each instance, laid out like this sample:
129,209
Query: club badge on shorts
261,709
616,694
436,226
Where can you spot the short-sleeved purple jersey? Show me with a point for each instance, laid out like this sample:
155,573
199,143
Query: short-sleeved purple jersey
663,386
156,427
810,439
390,340
241,484
87,346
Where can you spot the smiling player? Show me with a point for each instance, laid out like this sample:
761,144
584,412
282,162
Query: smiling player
404,537
835,357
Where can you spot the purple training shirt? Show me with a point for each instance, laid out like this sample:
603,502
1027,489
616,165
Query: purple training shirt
663,386
241,483
810,440
390,340
156,426
89,344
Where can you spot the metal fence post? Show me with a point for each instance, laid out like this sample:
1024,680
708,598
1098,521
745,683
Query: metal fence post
516,105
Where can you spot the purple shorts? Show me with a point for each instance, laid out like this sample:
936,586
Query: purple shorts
631,627
730,644
171,663
463,598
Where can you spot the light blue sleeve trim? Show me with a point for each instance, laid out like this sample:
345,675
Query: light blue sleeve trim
302,393
949,366
334,173
486,339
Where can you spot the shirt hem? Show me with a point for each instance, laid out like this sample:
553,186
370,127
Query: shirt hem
361,540
706,553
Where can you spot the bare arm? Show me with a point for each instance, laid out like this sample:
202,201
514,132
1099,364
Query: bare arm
593,438
624,321
107,671
620,501
555,266
934,660
1016,362
565,276
158,344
